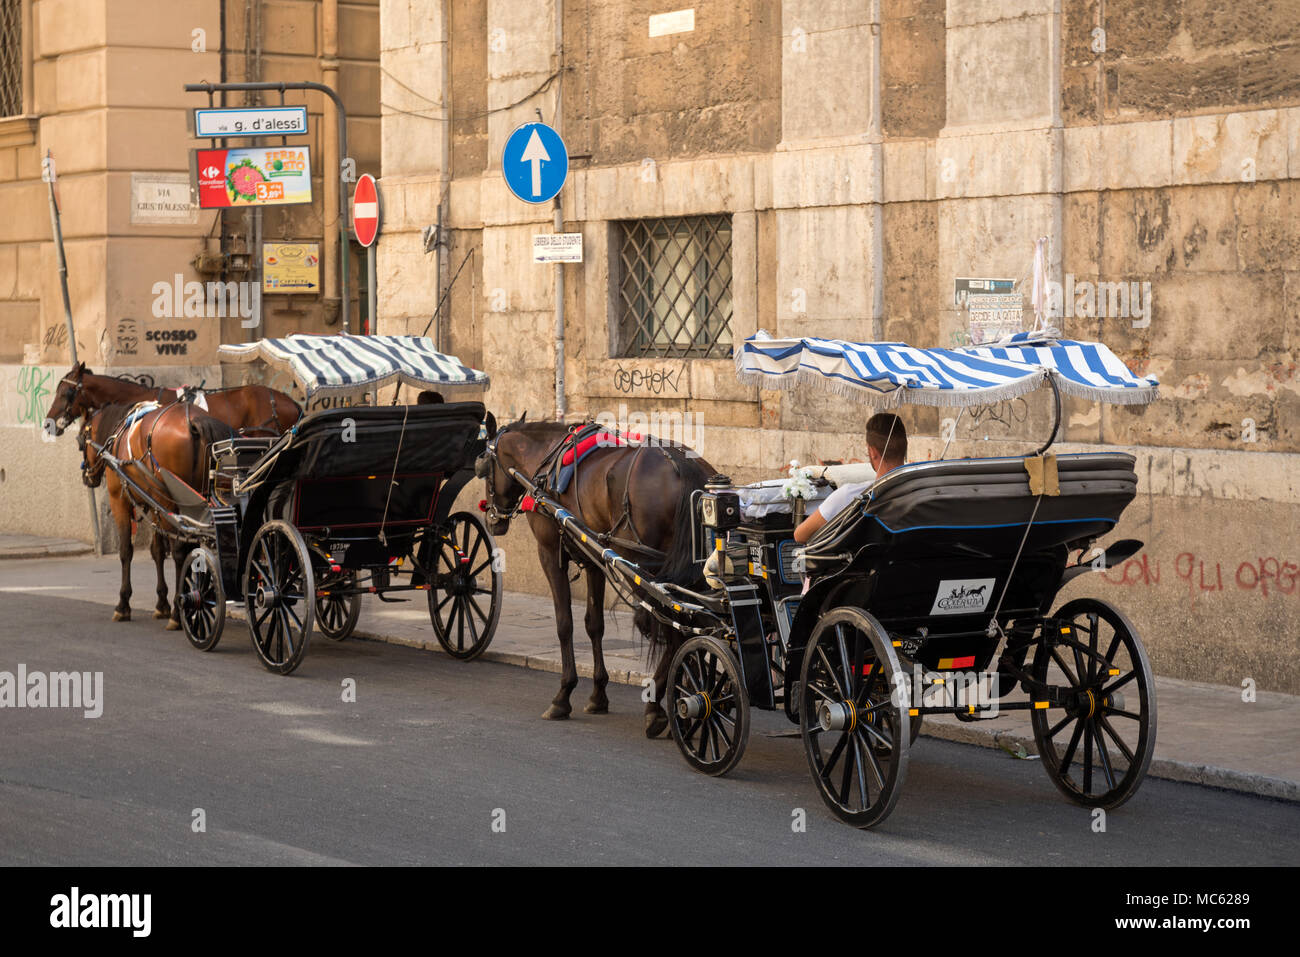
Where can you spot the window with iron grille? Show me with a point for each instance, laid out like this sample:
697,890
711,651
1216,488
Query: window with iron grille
675,287
11,57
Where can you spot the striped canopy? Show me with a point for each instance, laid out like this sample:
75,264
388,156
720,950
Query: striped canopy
350,363
892,373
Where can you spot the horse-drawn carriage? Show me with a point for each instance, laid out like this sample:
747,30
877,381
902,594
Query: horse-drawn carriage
931,594
349,501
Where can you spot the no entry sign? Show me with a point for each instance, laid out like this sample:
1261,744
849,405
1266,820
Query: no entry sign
365,210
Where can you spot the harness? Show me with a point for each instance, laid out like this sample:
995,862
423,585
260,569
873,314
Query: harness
547,475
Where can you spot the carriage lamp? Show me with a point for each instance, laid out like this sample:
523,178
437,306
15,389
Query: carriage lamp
720,510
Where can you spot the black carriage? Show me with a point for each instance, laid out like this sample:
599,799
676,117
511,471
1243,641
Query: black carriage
933,593
352,501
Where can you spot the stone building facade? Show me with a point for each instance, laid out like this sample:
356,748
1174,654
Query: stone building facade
99,85
852,159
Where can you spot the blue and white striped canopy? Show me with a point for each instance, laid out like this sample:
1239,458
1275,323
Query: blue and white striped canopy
892,373
349,363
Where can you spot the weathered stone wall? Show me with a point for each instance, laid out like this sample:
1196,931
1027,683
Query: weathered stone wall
869,153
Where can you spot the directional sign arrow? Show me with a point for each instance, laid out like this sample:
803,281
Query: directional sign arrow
536,154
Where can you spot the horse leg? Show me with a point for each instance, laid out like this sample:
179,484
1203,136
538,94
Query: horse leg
656,718
158,549
554,567
599,703
125,551
180,550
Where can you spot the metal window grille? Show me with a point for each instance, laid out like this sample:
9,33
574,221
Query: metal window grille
675,287
11,57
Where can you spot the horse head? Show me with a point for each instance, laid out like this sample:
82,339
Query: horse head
69,400
91,442
504,492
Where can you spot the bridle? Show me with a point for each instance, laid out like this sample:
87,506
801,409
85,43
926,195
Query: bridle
69,412
92,475
484,468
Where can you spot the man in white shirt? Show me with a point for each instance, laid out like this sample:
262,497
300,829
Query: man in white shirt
887,450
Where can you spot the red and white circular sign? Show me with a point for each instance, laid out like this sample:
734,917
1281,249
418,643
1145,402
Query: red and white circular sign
365,210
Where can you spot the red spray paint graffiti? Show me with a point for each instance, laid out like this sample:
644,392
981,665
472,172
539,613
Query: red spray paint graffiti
1265,577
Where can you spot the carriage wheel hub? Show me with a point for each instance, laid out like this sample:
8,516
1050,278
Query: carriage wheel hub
694,706
837,716
267,597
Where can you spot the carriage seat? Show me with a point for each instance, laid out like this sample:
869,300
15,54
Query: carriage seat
985,504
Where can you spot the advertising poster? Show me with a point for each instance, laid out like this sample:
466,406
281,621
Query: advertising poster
291,267
253,176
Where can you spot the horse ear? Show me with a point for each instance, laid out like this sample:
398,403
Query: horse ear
524,416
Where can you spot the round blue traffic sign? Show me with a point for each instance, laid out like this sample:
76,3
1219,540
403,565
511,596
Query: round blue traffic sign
535,163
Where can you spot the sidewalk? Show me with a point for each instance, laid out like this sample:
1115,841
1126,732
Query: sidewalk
33,546
1206,734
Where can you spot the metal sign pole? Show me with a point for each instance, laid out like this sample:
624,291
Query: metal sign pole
372,298
49,175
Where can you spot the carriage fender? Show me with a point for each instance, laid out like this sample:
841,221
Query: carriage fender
828,593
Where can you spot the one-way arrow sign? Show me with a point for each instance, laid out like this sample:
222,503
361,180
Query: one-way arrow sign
535,163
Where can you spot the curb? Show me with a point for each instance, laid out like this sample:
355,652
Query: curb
47,551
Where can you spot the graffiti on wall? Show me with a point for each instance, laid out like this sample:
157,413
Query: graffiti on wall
1263,576
34,385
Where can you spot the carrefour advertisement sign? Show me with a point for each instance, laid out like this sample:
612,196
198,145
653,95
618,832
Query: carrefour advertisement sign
253,176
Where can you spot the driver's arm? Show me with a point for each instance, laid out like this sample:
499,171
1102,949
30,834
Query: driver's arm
809,526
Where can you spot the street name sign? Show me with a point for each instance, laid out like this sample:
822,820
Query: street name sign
251,121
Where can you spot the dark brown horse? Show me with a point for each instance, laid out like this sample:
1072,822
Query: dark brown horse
174,437
243,407
637,499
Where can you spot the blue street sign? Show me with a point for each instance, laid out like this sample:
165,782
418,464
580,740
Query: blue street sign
535,163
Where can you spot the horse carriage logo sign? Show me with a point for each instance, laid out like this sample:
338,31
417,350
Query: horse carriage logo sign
962,596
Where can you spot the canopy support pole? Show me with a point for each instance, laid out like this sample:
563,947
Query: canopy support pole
1056,424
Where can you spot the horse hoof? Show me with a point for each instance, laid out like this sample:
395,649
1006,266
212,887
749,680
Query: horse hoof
597,707
162,612
121,616
655,724
173,625
556,713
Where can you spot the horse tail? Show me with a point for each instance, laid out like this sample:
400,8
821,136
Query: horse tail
679,566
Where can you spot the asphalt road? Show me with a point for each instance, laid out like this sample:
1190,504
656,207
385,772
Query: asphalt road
433,751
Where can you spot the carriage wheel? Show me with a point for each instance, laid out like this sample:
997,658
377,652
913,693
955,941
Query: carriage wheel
337,614
465,593
708,710
855,733
1098,752
201,600
279,590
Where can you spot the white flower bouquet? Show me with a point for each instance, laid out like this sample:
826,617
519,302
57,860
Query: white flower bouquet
798,488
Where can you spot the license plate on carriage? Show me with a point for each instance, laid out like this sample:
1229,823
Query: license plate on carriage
963,596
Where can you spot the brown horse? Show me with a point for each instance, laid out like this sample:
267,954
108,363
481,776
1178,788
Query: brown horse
243,407
176,438
637,500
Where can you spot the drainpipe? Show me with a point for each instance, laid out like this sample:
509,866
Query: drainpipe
335,232
442,249
875,136
561,406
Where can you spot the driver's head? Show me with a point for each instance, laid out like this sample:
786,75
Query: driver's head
886,442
